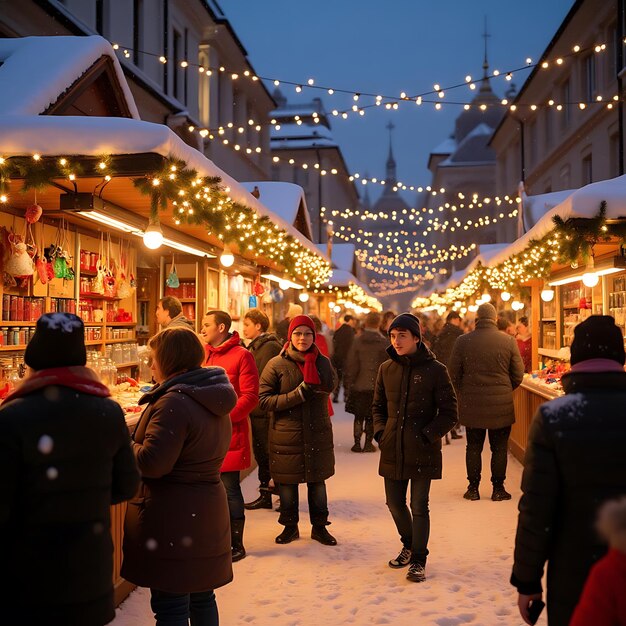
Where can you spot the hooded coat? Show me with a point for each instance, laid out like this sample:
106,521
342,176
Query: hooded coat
444,342
486,364
177,528
244,377
264,348
301,434
414,407
367,354
574,462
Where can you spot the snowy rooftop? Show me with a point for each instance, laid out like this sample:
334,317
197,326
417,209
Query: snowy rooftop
36,71
535,207
298,131
342,255
447,146
474,148
343,278
312,142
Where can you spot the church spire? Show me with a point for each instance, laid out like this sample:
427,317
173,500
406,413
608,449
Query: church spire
390,180
486,36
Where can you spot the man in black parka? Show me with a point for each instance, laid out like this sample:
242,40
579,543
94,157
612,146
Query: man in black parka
574,462
414,407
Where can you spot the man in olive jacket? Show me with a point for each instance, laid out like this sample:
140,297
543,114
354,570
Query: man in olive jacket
414,407
485,367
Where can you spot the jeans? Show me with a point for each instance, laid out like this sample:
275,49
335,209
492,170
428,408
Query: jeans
260,442
318,504
234,495
414,525
176,609
498,442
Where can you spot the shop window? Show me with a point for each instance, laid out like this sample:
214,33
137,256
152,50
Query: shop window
138,35
589,78
177,51
204,91
565,177
565,104
587,170
614,155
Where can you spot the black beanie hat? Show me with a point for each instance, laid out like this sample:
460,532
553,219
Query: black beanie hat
597,338
407,321
59,341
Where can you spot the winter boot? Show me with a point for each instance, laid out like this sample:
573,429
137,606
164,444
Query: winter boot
500,493
264,501
402,560
416,573
356,447
289,534
368,447
236,539
455,434
472,492
319,533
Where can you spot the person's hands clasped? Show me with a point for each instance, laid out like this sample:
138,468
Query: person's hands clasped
308,390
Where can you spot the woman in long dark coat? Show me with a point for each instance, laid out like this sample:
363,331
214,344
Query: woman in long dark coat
177,530
294,390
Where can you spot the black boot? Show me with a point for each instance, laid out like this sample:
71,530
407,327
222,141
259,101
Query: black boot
455,434
500,493
236,539
289,534
472,492
319,533
368,447
357,446
264,501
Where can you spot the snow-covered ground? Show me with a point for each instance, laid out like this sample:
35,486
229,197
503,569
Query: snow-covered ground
307,584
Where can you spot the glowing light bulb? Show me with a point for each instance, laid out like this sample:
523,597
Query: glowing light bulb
547,295
590,279
505,296
227,258
153,236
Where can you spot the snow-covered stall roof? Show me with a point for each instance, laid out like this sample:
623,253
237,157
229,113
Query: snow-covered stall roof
535,207
342,255
343,278
284,199
94,136
36,71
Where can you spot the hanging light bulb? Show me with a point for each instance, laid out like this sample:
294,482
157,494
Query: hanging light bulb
303,297
337,309
153,235
227,258
284,284
547,295
486,297
590,279
472,308
516,305
505,296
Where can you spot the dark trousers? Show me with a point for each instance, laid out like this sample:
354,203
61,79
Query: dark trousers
339,370
234,495
498,442
414,525
318,504
176,609
360,403
260,442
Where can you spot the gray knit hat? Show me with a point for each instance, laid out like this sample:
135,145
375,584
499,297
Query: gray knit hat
486,311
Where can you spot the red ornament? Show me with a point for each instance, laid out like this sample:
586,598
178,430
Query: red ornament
33,213
259,289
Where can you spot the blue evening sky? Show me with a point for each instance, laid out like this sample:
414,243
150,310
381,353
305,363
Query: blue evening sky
388,47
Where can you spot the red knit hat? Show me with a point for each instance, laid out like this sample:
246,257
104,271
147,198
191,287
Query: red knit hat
301,320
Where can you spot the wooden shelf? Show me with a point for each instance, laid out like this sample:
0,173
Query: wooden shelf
97,296
119,340
570,306
93,324
548,319
7,323
93,342
86,272
187,300
12,348
127,324
129,364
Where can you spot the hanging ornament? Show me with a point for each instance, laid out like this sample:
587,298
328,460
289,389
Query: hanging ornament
33,213
277,294
252,301
258,289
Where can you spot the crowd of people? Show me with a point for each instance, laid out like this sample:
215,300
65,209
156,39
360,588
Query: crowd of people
410,381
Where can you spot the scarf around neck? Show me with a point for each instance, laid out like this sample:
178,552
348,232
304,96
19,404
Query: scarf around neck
306,361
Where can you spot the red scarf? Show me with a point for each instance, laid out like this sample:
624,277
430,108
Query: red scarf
306,361
75,377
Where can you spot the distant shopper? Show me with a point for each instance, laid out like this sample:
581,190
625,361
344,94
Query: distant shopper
176,532
65,458
485,367
320,339
574,462
283,326
224,349
263,347
414,407
505,325
386,319
368,353
294,390
603,601
524,343
169,313
342,343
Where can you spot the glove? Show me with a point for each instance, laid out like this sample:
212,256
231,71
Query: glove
306,390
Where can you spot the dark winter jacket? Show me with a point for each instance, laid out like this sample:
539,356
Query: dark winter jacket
244,377
444,342
65,457
282,329
574,462
264,348
485,367
342,342
177,528
301,434
414,406
368,353
180,321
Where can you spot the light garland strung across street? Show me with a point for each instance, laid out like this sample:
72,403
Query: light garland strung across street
351,297
195,199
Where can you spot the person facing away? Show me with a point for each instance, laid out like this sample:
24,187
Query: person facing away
505,325
524,343
224,348
294,390
342,342
414,407
386,319
603,601
367,354
176,530
65,458
485,367
283,326
263,346
574,462
169,313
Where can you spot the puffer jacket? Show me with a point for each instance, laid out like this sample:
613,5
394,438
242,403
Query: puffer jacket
444,342
574,462
300,434
414,406
264,348
368,353
244,377
486,365
177,529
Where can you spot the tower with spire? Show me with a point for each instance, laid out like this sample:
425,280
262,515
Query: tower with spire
390,200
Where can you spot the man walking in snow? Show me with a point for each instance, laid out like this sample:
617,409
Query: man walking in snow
414,407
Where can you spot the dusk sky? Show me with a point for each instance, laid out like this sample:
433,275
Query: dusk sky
390,47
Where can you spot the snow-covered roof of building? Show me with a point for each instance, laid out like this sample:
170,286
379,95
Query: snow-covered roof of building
342,255
299,131
36,71
343,278
535,207
473,149
447,146
50,135
284,199
312,142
